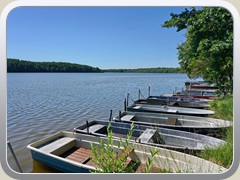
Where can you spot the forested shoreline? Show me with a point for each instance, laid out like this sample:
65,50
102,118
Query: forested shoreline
16,65
147,70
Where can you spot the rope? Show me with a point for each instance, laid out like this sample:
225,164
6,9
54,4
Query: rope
131,97
142,95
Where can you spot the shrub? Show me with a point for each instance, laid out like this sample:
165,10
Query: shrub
112,159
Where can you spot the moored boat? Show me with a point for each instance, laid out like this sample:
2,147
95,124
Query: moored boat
199,86
174,101
168,109
196,96
198,93
154,136
180,122
70,152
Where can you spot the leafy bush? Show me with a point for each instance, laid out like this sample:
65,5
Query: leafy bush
114,159
110,159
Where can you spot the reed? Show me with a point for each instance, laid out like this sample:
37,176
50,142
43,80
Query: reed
110,159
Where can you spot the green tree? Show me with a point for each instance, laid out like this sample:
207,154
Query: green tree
208,49
16,65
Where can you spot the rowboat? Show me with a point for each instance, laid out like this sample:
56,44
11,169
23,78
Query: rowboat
201,85
179,122
210,93
174,101
70,152
197,86
207,97
168,109
154,136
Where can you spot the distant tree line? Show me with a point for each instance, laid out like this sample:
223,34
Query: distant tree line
147,70
16,65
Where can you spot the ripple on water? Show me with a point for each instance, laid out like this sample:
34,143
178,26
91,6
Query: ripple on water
40,104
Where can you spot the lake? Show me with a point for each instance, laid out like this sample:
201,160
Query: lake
39,104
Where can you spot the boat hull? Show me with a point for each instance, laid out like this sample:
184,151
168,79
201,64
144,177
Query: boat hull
174,101
196,124
170,160
168,110
57,164
162,137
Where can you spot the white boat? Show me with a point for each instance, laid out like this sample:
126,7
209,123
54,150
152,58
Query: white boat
168,109
180,122
70,152
156,136
174,101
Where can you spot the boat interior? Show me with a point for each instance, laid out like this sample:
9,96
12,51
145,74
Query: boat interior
79,151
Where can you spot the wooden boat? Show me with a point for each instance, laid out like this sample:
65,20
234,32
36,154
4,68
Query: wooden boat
174,101
69,152
168,109
179,122
154,136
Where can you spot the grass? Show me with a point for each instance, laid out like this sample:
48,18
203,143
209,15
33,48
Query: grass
223,108
223,155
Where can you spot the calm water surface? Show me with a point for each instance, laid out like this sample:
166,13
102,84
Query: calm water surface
39,104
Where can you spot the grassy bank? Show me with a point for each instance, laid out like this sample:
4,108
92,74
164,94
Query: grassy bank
223,155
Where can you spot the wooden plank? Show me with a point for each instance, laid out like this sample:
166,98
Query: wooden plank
171,121
146,135
49,148
81,155
79,159
78,155
95,128
91,163
127,117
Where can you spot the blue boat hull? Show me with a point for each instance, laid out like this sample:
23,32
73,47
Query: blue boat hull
58,164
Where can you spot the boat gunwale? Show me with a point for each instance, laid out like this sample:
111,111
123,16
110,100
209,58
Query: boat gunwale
175,156
193,137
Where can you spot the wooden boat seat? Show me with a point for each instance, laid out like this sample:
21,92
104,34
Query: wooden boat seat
94,128
82,156
59,146
146,135
171,121
127,117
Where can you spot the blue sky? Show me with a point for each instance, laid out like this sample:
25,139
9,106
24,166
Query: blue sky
113,37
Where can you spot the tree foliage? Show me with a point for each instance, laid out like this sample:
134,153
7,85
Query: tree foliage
208,49
16,65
